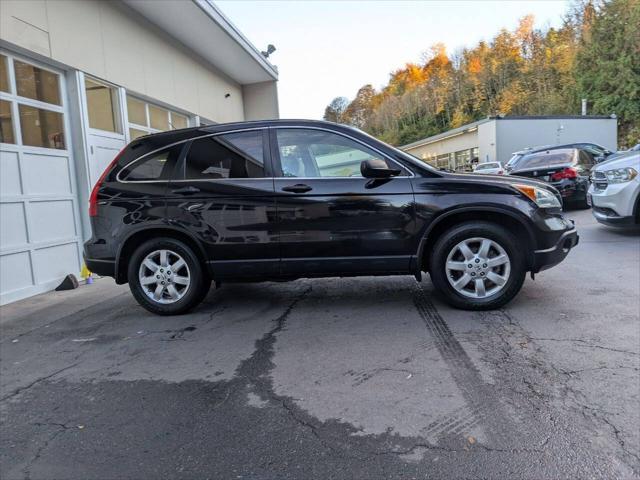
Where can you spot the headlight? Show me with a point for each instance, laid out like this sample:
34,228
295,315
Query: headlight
543,198
620,175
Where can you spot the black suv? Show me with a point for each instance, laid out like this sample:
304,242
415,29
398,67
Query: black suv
280,200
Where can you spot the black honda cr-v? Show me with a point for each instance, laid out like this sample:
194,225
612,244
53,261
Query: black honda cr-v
274,200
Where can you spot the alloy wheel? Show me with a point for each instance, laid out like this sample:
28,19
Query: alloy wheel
478,267
164,276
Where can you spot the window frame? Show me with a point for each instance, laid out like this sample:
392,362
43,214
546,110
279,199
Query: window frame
277,161
148,129
16,100
119,124
132,165
179,171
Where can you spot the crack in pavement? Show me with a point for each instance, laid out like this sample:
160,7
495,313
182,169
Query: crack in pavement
585,344
541,378
20,390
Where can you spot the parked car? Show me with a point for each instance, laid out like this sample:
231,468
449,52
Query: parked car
280,200
567,169
621,153
489,168
614,193
599,153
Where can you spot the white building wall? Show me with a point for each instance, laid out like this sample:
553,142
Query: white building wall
111,42
487,144
515,134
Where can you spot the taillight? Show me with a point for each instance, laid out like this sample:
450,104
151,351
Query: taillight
562,174
93,198
500,172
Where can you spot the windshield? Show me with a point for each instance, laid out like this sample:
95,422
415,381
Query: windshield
546,159
487,166
512,161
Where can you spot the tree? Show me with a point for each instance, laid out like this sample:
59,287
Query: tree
360,109
335,110
608,66
594,54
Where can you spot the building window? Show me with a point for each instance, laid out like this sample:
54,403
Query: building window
31,105
6,123
102,106
36,83
145,118
4,74
442,161
41,128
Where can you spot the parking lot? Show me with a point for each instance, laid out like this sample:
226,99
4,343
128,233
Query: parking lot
333,378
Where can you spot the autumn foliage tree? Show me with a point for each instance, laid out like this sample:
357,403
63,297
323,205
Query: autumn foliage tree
595,54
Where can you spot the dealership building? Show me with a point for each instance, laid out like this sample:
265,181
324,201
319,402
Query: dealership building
79,79
496,138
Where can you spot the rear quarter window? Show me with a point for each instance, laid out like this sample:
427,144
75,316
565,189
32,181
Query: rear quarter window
156,166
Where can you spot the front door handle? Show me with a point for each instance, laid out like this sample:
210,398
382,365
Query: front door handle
186,190
297,188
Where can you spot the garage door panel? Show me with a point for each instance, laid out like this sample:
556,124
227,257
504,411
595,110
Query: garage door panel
54,220
45,174
13,225
15,272
9,173
53,263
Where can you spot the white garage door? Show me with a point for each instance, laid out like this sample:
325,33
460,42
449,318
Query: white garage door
39,224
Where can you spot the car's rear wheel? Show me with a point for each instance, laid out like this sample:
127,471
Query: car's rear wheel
477,266
166,277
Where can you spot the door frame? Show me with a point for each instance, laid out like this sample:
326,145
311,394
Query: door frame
69,152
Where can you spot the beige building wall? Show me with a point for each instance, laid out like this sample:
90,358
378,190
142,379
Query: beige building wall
111,42
261,101
463,141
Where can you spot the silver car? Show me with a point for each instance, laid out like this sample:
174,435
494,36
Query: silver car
489,168
614,194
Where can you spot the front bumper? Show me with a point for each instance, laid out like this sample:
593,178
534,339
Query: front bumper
609,217
549,257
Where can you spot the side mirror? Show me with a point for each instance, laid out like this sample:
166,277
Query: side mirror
376,168
600,158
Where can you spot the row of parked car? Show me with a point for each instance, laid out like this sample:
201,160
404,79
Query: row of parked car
585,174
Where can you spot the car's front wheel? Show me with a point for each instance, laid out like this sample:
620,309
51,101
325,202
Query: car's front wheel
166,277
477,266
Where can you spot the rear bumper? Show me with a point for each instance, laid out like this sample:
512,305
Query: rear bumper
104,268
549,257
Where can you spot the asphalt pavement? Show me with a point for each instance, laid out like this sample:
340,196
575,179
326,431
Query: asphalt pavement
332,378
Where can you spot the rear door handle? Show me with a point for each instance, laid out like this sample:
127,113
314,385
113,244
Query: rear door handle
186,190
297,188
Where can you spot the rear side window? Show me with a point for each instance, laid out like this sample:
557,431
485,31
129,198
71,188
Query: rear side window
157,166
546,159
234,155
586,159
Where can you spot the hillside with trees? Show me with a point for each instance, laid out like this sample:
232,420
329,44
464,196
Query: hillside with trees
595,54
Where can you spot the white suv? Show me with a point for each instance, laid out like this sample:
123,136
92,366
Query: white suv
614,193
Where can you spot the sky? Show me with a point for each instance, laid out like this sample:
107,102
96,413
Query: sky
326,49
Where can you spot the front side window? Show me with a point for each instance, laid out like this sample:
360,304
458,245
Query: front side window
318,153
157,166
234,155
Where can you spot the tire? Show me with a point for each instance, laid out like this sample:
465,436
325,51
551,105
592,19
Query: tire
176,296
469,297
